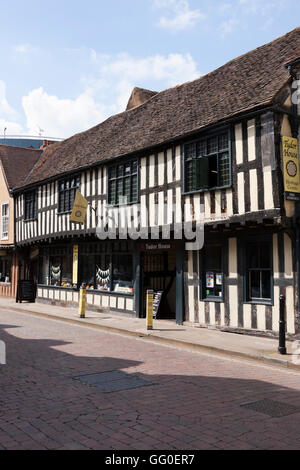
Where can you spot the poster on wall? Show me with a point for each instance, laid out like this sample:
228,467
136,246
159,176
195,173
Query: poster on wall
210,281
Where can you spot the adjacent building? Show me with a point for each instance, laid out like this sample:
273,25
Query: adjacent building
211,149
15,164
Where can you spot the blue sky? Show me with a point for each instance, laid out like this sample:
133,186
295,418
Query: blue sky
70,65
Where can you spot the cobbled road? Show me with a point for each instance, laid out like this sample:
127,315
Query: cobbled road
193,401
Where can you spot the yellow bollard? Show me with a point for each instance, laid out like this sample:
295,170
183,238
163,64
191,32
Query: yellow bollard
150,296
82,301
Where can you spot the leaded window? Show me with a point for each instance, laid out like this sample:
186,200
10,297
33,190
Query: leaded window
123,183
66,194
207,163
30,201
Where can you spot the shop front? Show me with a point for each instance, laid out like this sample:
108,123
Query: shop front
8,272
106,268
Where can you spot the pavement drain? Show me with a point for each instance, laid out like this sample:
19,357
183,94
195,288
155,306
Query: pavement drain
114,381
274,409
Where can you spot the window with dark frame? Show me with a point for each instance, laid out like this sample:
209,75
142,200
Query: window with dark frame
30,202
66,193
212,274
207,163
123,183
259,271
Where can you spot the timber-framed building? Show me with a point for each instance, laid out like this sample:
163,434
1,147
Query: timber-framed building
214,145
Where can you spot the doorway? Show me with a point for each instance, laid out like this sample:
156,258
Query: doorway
159,275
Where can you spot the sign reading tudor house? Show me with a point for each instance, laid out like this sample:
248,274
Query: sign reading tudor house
291,168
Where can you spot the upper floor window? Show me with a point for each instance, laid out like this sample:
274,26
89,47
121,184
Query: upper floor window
207,163
123,183
30,211
66,193
4,220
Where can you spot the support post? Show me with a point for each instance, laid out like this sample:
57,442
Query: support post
82,301
282,326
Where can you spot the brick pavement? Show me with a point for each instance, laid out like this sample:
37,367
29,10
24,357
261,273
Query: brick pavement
194,402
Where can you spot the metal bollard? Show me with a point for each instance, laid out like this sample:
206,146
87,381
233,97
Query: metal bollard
82,301
282,326
150,295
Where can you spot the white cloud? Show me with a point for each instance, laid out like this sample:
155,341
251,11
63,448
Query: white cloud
25,48
60,117
180,17
239,12
105,93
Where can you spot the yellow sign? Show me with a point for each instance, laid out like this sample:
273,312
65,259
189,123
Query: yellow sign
79,209
75,264
291,168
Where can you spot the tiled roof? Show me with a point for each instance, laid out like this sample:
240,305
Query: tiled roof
17,163
248,82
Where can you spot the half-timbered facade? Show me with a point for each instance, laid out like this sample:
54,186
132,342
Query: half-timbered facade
207,152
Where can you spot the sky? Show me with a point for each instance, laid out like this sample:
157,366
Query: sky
68,65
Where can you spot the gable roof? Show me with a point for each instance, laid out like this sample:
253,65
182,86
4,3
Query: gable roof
251,81
17,163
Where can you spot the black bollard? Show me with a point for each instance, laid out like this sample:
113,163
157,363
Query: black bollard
282,326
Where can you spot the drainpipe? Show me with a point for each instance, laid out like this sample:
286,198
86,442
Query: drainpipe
297,211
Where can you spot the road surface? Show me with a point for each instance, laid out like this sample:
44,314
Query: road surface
144,396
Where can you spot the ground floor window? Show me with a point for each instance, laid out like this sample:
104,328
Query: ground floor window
5,268
107,267
56,266
259,271
212,273
102,266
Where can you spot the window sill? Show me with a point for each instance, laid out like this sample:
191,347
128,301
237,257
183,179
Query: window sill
259,302
214,299
31,220
122,205
5,284
207,190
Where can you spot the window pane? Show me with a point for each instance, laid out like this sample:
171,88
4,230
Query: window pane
212,145
127,199
255,284
103,272
223,142
122,273
88,270
266,284
55,271
112,192
202,151
134,180
224,169
120,191
190,151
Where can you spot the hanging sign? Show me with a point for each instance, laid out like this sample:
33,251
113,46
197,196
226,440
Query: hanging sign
79,209
291,172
